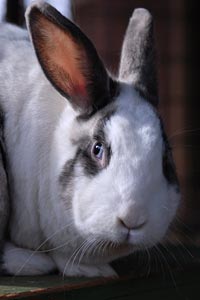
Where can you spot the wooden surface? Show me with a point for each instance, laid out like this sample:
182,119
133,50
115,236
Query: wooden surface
17,287
174,274
183,286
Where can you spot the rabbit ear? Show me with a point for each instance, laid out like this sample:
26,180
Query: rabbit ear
138,63
68,58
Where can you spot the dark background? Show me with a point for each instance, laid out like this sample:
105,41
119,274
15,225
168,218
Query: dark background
177,35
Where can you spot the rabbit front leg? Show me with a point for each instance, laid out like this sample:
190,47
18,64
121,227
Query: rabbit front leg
19,261
68,267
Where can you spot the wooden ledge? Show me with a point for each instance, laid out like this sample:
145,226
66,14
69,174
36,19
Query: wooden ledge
174,274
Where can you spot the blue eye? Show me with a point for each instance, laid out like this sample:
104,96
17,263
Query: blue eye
98,150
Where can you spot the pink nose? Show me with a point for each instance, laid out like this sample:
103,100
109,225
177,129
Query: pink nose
133,226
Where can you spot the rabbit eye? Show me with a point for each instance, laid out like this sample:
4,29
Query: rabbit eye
98,150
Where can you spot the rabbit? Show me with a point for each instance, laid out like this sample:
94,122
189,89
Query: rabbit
90,171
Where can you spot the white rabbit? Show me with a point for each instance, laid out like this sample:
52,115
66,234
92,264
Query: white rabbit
90,172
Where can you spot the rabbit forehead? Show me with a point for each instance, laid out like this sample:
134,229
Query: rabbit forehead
134,128
127,114
129,125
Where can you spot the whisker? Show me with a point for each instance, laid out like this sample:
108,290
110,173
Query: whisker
183,131
41,245
57,247
93,247
158,260
184,247
106,244
84,249
148,261
80,250
167,265
179,220
98,249
100,252
184,235
72,256
171,254
186,146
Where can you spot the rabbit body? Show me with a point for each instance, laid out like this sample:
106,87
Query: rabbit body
70,211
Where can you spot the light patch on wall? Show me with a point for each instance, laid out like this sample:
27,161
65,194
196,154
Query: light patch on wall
2,9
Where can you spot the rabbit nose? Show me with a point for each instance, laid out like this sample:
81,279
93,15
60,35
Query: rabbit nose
132,216
132,225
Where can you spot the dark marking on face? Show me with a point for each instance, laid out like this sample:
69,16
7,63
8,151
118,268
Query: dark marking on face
88,164
83,155
83,158
169,168
91,167
66,177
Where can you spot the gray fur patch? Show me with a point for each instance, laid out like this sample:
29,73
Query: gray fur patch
138,59
67,175
169,168
90,166
83,153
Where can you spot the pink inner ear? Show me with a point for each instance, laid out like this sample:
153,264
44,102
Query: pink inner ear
65,61
80,89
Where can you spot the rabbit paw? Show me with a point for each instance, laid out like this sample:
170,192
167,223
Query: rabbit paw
19,261
73,269
90,271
